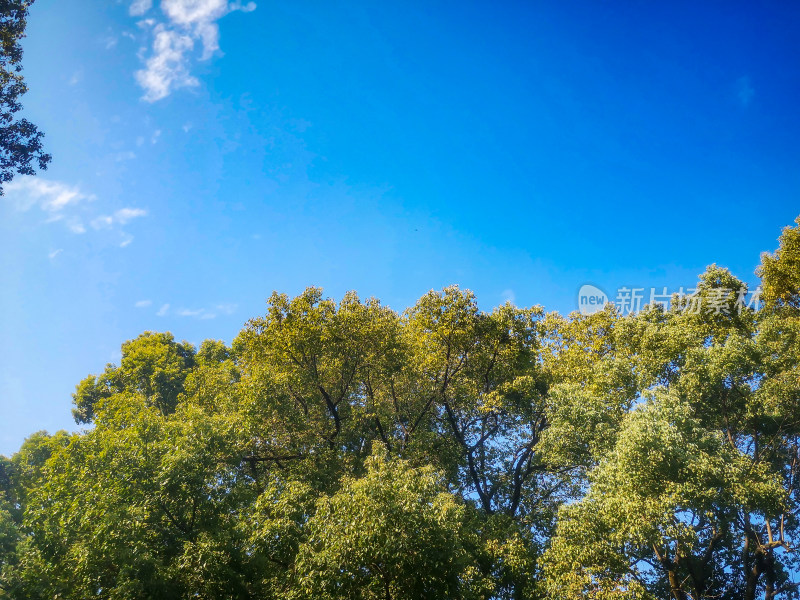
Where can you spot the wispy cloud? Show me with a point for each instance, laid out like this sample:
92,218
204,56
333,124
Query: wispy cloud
208,313
120,217
50,196
55,198
123,156
55,253
186,24
75,225
167,68
227,309
123,215
102,222
197,313
139,7
67,204
191,312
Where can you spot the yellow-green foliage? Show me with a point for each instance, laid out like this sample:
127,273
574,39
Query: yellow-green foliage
345,450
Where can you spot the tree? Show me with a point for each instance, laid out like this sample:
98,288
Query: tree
443,384
394,533
780,272
347,450
153,365
145,505
21,147
693,493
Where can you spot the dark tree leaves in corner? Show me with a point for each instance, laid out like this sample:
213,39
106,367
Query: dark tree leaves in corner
20,140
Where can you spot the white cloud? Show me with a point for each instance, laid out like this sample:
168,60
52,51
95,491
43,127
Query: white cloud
187,22
191,12
143,303
123,215
102,222
139,7
120,217
55,253
208,313
163,310
167,68
123,156
199,17
227,309
50,196
75,225
246,8
66,204
198,313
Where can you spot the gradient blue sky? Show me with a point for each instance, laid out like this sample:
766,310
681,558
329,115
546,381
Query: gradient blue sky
207,153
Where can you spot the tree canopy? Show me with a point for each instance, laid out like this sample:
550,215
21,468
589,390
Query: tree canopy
345,450
21,149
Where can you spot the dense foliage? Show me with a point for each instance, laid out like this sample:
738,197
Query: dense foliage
21,149
343,450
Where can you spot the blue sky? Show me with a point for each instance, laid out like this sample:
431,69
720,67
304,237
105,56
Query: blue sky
206,153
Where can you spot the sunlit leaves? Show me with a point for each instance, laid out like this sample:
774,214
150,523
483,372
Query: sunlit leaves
344,450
